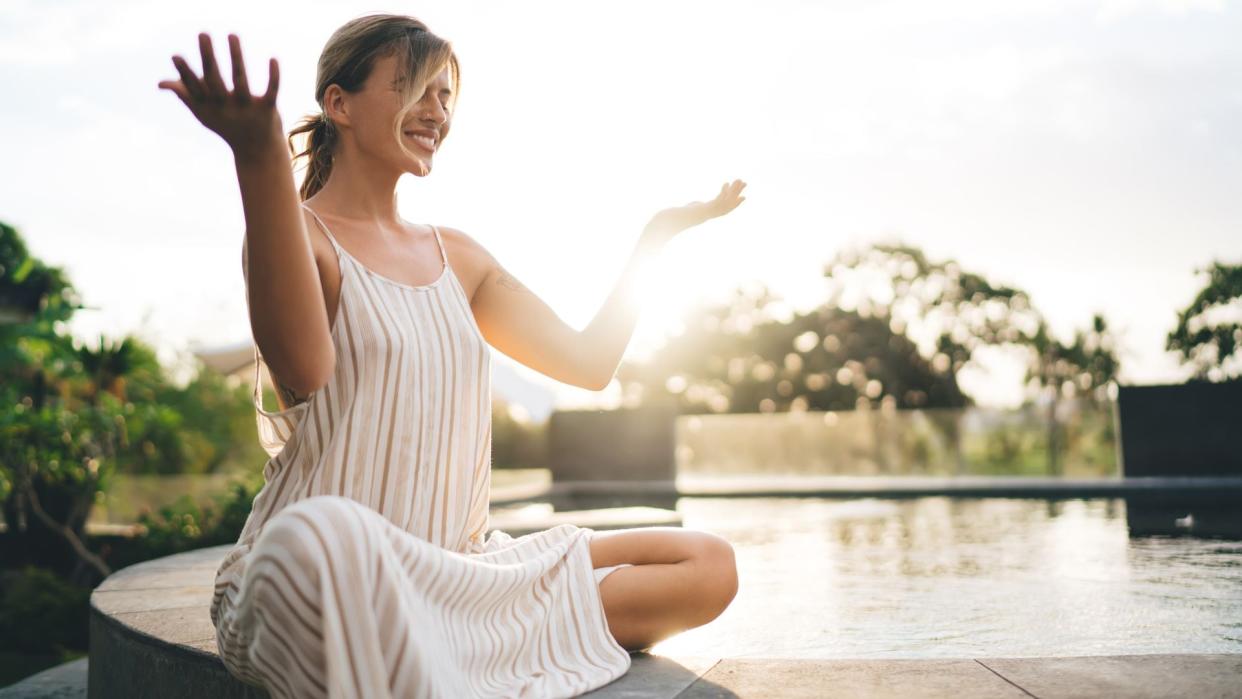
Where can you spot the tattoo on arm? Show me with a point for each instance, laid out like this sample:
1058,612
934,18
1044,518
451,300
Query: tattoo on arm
287,396
510,282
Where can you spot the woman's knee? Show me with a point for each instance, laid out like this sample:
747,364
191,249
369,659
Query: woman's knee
304,534
717,566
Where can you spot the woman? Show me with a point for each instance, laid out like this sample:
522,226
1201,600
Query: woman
365,568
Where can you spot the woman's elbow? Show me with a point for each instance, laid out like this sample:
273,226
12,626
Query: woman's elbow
321,374
599,386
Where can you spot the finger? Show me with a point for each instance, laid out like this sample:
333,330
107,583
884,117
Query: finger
211,72
193,86
273,81
241,86
178,89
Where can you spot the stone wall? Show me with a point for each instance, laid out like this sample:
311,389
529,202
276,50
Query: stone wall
1191,429
613,445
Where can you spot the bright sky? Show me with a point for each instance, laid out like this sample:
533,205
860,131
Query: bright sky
1088,152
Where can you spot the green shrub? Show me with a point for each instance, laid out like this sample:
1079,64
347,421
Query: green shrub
185,525
41,613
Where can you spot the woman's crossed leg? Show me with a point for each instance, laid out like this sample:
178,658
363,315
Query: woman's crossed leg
679,579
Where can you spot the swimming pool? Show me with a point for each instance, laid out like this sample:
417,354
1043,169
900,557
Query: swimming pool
934,577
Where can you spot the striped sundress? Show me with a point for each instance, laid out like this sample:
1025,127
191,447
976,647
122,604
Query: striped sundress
365,567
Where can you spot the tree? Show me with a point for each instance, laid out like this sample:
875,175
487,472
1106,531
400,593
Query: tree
895,327
1208,334
56,451
743,357
1085,367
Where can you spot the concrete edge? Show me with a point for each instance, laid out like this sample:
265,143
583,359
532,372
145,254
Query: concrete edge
64,681
898,487
168,668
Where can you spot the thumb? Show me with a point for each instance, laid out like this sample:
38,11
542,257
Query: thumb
177,88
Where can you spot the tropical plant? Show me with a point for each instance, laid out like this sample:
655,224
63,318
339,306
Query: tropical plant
1208,334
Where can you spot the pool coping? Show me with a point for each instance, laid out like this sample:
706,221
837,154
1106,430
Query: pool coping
1155,487
1104,676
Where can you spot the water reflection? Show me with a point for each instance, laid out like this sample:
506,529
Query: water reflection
1185,518
947,577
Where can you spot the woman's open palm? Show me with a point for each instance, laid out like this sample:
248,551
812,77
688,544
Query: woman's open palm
243,120
670,222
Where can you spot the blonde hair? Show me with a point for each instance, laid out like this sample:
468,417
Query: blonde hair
347,60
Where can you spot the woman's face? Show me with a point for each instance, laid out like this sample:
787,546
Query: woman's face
370,113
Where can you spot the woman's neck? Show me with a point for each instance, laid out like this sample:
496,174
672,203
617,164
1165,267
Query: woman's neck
358,191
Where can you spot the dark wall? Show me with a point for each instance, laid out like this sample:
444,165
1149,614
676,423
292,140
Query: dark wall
613,445
1192,429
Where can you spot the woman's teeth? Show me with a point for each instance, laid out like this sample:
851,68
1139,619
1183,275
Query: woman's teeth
424,141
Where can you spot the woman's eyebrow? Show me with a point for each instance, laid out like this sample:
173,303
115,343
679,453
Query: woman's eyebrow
443,90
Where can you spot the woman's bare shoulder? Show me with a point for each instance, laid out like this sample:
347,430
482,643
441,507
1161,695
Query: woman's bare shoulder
471,261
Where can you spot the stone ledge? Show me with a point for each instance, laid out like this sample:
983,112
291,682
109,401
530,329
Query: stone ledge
516,524
65,681
150,627
660,677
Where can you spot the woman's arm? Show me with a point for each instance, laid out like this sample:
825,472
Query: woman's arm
606,337
288,315
520,324
516,321
608,334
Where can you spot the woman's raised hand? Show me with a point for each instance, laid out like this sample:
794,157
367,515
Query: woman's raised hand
668,223
243,120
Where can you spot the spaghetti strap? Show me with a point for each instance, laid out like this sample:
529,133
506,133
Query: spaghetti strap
257,395
443,255
324,227
339,248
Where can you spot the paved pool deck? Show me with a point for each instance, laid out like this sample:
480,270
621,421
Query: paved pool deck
657,677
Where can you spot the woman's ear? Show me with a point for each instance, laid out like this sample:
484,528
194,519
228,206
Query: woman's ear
335,106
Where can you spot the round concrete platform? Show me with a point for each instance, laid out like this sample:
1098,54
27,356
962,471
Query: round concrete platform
151,632
150,628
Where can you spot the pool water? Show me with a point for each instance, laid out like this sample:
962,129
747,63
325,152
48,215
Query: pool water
962,577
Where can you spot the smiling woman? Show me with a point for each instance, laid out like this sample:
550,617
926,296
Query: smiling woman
408,67
366,566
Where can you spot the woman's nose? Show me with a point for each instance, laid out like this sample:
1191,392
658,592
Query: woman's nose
437,112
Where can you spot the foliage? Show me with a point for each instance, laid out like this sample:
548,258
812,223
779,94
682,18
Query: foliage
77,414
40,612
1208,334
217,421
185,525
70,449
516,444
1085,366
895,329
33,296
730,359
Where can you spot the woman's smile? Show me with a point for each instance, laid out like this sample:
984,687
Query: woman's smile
427,142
